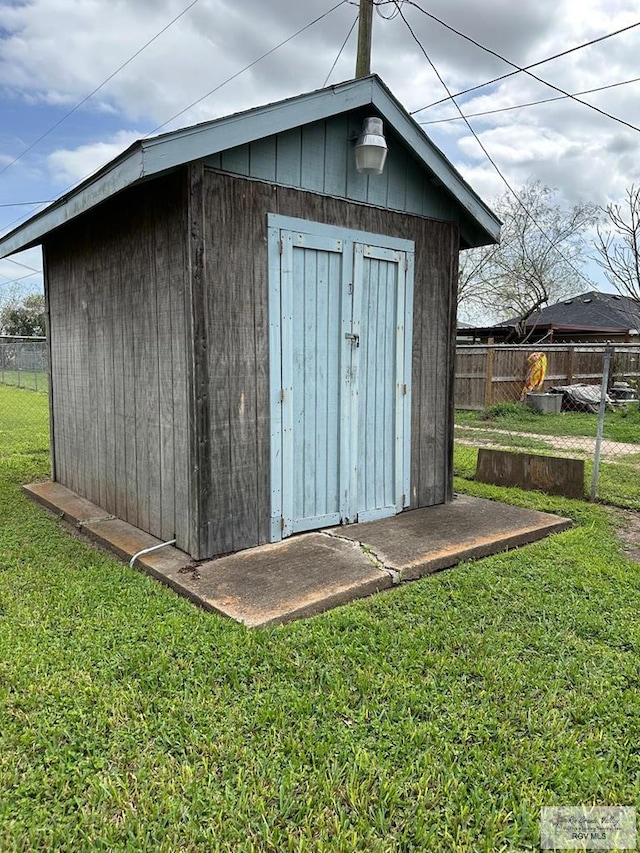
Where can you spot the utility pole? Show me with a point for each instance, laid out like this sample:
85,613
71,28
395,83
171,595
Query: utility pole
365,25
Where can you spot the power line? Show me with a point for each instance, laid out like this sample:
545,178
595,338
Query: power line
486,153
529,104
246,68
27,203
21,278
97,89
20,264
344,44
395,11
519,68
527,67
224,83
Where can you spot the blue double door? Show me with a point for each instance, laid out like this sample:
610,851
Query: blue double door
340,317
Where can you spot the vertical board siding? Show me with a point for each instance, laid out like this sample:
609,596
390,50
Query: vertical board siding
231,368
236,160
261,199
116,285
262,158
377,384
315,358
336,155
289,159
201,498
396,169
319,157
238,344
313,156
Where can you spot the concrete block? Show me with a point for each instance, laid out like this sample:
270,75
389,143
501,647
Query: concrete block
552,474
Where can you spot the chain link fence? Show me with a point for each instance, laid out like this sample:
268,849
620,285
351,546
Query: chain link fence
24,363
586,407
568,400
24,395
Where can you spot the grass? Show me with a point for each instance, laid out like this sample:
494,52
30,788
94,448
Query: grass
33,380
618,482
440,716
619,425
24,421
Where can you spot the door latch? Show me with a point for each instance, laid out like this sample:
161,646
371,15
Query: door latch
355,339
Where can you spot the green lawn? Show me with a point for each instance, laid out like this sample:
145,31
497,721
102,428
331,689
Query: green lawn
620,425
24,421
34,380
440,716
618,483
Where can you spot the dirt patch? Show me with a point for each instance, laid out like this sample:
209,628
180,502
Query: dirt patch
628,529
571,445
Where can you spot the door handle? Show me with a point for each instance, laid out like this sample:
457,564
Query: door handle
355,339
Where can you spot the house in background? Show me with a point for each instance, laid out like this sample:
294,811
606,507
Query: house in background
591,317
248,338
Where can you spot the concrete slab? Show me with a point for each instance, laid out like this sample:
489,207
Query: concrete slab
313,572
64,502
278,583
427,540
301,576
110,532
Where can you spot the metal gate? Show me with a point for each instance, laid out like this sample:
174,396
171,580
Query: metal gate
340,345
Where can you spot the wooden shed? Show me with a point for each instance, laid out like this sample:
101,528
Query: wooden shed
247,337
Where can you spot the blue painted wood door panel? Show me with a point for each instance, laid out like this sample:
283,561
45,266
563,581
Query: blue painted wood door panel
340,342
316,398
379,300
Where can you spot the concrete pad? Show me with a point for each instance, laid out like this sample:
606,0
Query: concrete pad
271,584
427,540
123,539
298,577
313,572
64,502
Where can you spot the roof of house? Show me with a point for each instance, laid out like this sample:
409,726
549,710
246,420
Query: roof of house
151,157
592,311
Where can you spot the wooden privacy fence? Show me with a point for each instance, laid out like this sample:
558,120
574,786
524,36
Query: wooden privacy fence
494,373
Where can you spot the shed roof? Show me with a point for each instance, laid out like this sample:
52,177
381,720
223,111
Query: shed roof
149,157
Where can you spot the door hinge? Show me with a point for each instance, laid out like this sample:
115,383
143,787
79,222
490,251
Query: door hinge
281,244
406,264
281,523
282,394
404,389
404,500
350,291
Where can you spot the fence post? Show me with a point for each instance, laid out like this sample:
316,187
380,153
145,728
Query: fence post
570,365
488,376
603,403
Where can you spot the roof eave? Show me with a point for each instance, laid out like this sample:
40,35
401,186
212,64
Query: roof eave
162,153
121,173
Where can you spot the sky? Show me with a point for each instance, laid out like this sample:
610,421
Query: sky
78,85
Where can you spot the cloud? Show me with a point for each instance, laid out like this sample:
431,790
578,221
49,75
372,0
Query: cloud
68,166
58,52
53,53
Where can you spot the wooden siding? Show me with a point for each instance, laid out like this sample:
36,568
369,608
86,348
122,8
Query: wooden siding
116,289
235,293
320,157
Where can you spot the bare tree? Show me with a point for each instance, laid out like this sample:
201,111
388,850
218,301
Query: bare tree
618,244
539,258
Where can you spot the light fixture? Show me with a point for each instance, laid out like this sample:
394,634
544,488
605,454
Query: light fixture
371,148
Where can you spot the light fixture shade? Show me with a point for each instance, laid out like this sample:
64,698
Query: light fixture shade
371,148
